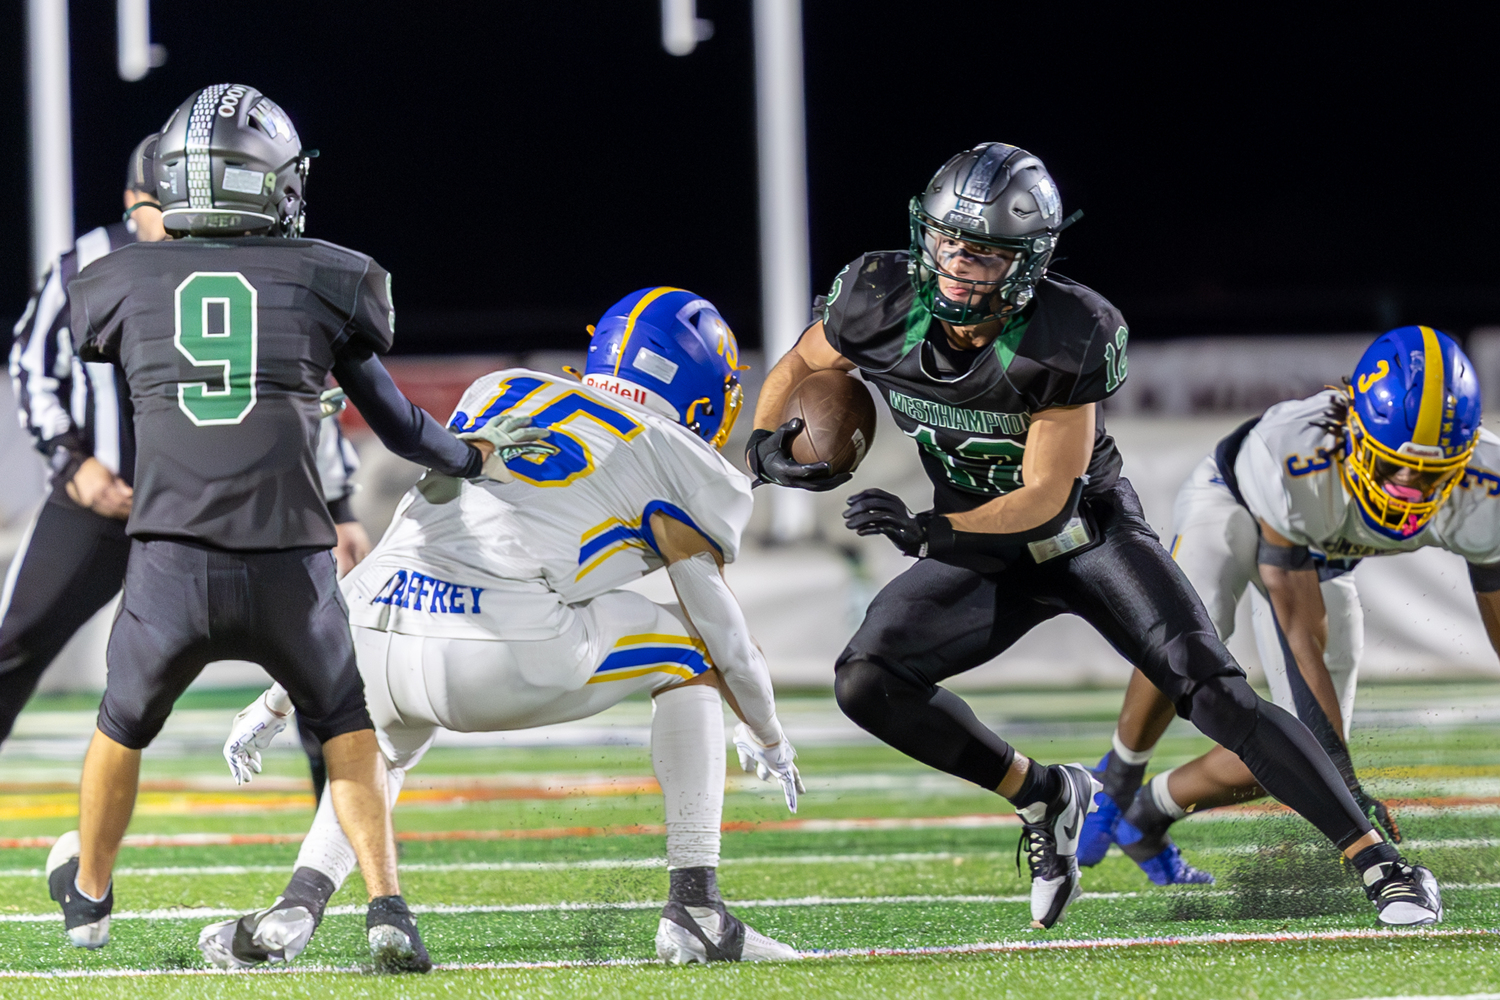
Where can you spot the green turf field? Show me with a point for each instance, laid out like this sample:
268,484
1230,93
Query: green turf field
926,903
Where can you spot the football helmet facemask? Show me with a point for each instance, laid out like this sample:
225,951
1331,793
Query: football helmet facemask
670,351
988,221
1413,421
229,162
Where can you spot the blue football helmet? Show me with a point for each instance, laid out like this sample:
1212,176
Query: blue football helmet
670,351
1413,422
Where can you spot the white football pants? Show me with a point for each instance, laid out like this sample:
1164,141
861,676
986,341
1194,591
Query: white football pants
1215,545
611,647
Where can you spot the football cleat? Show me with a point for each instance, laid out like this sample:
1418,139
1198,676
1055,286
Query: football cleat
1169,868
1099,826
701,934
1404,895
1049,837
395,945
277,934
85,920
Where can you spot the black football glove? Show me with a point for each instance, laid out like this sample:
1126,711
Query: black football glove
769,455
876,512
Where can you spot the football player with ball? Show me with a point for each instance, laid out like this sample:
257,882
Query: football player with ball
996,368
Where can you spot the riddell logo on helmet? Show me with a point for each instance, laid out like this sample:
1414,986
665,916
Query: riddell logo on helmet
637,394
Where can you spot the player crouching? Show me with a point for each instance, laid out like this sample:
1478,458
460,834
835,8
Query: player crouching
495,605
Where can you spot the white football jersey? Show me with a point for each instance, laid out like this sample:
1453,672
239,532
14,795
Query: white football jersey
503,560
1289,477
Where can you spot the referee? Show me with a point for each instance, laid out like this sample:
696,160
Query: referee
72,559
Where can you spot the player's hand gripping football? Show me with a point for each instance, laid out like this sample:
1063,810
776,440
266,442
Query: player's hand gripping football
876,512
772,763
511,436
769,455
252,731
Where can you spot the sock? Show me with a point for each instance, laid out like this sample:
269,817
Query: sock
694,887
1163,797
687,754
94,899
1041,784
1124,771
1142,833
326,849
309,888
1372,860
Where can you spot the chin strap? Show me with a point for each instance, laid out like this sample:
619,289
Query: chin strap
140,204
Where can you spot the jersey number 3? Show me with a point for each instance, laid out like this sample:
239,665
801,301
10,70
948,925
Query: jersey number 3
217,328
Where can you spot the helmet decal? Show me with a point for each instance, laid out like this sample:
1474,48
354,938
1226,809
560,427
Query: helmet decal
670,351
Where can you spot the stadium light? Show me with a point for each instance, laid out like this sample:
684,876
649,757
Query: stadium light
681,27
782,140
51,131
135,56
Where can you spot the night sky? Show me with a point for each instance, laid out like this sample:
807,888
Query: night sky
520,167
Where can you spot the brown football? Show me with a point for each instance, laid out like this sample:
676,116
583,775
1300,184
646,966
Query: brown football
838,416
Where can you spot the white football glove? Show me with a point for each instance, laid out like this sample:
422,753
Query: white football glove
512,437
770,763
253,730
331,402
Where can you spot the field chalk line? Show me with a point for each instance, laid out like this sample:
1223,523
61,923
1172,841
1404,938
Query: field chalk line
978,948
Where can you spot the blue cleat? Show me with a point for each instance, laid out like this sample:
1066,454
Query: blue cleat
1168,868
1099,826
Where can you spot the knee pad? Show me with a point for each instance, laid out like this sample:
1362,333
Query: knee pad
1225,709
865,690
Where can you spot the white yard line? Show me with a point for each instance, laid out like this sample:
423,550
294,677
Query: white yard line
989,947
212,913
907,857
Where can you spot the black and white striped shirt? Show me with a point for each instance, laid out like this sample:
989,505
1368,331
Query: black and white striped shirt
75,409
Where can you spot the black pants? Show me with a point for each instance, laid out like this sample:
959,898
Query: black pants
186,605
71,564
937,620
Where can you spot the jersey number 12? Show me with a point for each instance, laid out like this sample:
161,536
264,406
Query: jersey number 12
217,327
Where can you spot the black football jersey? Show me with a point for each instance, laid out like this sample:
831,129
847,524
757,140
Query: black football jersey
225,345
970,411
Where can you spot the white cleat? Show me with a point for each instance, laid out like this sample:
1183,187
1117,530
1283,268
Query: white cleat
1049,838
701,934
86,920
270,935
1404,895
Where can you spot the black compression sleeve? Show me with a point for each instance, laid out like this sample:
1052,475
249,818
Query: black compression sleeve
341,510
401,425
1292,557
1485,578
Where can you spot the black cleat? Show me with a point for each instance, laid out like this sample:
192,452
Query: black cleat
1049,837
1405,895
85,920
395,945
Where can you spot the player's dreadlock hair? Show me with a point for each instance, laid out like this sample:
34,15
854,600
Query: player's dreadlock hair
1335,417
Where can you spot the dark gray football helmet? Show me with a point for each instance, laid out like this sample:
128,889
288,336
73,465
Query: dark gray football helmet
230,162
140,172
993,197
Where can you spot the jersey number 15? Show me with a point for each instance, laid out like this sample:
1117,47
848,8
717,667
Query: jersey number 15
217,327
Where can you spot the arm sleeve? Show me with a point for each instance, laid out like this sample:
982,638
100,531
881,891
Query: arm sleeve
46,375
402,426
717,616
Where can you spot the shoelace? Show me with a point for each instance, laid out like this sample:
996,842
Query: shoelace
1399,886
1042,851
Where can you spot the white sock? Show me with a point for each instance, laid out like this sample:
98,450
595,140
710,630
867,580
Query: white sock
1163,798
687,754
1129,756
326,848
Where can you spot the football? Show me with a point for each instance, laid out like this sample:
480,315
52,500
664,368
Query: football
838,416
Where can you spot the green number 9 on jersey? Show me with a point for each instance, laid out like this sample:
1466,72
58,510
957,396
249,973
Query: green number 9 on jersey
217,328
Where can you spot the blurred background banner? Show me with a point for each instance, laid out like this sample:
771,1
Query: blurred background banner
804,599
